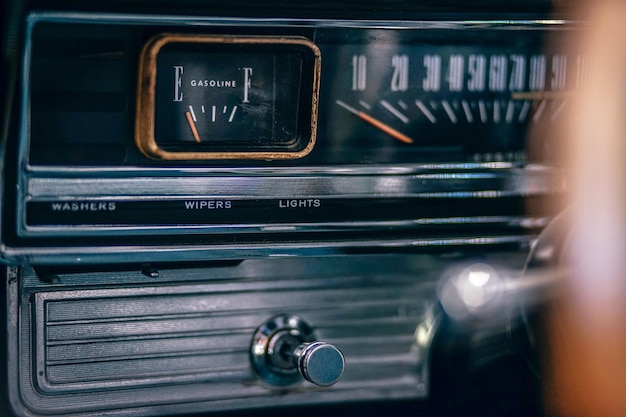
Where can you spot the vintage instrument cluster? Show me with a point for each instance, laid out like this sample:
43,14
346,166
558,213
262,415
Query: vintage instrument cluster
132,131
186,184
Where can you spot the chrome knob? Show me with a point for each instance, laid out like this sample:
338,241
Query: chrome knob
319,363
284,351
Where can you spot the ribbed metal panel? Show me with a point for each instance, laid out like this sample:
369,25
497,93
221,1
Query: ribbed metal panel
203,332
128,348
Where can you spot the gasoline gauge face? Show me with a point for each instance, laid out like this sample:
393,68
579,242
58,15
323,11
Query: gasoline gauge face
208,97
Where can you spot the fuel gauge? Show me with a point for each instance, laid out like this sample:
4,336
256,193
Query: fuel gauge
221,97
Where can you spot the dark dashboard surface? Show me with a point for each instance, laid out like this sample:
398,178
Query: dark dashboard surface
137,283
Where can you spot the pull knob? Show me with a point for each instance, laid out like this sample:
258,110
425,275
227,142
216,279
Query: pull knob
284,351
319,363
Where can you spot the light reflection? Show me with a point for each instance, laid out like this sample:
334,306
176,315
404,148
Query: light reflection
479,278
473,292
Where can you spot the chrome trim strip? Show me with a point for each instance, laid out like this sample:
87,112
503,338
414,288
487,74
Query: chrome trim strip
190,20
524,222
519,182
135,254
396,169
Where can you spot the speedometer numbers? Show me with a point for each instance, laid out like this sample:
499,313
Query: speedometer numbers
449,96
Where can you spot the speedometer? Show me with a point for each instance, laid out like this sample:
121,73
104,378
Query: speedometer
470,93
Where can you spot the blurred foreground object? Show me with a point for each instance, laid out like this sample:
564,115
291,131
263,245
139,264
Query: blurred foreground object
587,324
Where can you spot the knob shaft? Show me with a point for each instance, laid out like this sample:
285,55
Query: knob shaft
284,350
319,363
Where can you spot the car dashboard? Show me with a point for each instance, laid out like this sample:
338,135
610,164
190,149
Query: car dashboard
215,208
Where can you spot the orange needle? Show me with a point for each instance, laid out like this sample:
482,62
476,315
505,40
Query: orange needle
193,127
377,123
543,95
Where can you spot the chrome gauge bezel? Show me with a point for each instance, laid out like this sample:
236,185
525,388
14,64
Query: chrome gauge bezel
145,126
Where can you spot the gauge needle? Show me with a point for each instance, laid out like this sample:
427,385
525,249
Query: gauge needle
377,123
542,95
193,127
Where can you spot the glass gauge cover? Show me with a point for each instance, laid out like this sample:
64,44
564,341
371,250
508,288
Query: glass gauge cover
223,97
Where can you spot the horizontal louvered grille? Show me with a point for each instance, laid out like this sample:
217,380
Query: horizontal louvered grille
99,339
118,341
